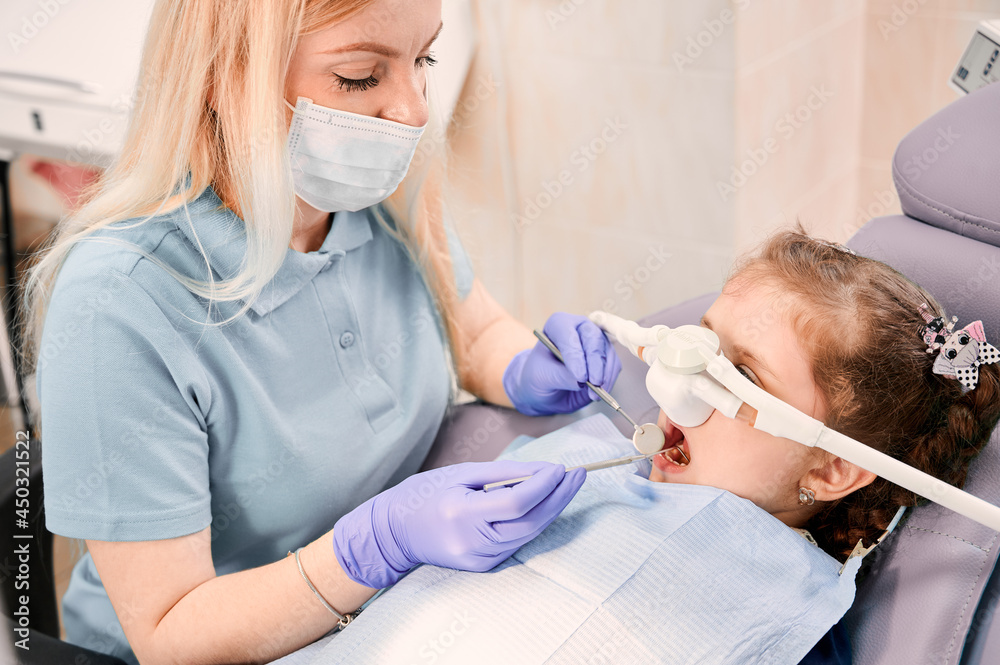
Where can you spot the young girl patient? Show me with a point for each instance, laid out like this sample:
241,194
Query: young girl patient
716,560
841,338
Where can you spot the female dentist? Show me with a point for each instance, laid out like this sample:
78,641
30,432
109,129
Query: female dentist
229,373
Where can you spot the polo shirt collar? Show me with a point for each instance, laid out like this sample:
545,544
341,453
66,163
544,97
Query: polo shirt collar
223,237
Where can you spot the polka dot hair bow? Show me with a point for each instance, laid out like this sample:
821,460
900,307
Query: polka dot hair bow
960,352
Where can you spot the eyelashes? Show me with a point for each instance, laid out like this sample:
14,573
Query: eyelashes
356,85
748,373
360,85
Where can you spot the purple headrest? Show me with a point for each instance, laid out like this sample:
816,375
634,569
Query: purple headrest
947,174
947,170
921,602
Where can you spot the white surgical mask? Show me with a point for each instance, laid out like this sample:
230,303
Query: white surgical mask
345,161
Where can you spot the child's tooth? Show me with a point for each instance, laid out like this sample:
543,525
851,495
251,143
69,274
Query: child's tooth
670,453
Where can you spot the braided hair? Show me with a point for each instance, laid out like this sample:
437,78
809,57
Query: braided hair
861,323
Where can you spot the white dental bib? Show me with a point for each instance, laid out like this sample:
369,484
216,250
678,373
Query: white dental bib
632,572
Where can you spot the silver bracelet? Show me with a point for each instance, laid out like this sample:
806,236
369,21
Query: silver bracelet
342,619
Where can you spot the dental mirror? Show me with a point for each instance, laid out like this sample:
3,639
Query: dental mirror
648,438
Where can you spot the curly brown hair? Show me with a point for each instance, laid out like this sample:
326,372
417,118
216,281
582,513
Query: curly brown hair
861,322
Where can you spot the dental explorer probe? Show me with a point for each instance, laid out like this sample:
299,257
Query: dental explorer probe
647,438
593,466
601,392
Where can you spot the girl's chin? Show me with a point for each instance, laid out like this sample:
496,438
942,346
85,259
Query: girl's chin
657,477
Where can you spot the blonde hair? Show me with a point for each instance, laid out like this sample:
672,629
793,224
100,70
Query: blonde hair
236,54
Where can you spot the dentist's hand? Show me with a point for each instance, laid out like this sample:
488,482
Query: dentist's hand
442,517
539,385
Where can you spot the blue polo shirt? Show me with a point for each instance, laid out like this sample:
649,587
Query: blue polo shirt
328,390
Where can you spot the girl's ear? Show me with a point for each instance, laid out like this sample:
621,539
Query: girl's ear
836,479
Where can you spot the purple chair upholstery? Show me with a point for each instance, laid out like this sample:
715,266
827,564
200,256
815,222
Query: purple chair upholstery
920,604
930,598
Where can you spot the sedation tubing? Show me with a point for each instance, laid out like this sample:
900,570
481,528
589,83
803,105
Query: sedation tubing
693,378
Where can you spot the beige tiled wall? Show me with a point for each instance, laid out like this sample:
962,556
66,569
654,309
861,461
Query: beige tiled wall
798,92
564,68
614,151
909,58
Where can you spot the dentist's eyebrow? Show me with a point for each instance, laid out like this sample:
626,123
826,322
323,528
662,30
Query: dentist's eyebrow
741,352
381,49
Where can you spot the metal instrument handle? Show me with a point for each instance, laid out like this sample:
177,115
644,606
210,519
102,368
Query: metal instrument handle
592,466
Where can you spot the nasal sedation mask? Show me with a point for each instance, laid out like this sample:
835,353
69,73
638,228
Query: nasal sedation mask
689,378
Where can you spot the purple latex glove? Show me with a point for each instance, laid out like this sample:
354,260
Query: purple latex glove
539,385
442,517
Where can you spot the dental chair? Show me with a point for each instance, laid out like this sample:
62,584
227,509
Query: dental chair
934,588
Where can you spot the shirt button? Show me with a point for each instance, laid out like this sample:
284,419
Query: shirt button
347,339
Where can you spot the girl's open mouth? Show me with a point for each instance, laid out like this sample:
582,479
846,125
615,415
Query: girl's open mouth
675,452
